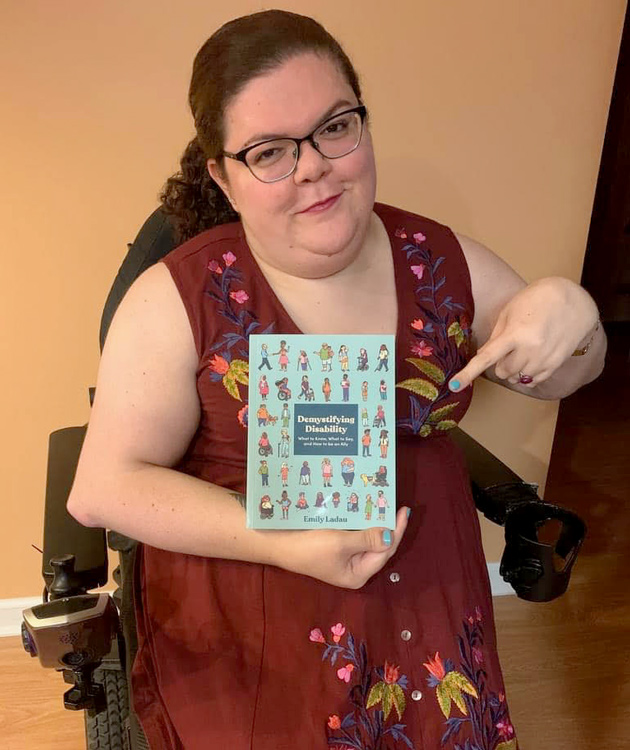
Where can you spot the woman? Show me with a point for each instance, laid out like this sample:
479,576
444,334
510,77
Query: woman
229,619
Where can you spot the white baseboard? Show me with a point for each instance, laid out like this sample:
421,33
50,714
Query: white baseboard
11,609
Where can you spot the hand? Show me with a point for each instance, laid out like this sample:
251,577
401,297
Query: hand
535,333
347,559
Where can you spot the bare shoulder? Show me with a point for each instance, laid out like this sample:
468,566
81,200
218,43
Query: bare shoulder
494,282
146,405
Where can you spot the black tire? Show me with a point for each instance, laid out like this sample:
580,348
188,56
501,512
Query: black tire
108,730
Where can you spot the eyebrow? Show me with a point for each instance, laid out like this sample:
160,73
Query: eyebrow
272,136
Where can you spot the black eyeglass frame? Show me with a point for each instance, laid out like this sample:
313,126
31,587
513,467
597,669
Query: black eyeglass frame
241,156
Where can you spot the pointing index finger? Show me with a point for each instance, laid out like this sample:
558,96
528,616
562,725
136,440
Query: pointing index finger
488,355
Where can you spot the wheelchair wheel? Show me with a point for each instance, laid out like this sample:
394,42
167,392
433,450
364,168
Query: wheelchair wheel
108,730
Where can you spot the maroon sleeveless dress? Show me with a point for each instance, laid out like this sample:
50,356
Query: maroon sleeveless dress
252,657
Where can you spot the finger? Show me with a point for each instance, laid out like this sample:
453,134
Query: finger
489,354
367,562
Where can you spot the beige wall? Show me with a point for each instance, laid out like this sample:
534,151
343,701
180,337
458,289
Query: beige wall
488,116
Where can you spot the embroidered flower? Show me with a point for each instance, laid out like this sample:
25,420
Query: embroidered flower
240,296
419,238
345,673
417,324
214,267
478,614
471,620
422,349
400,232
505,729
242,416
337,630
229,258
334,722
477,655
436,667
391,674
418,270
219,364
316,636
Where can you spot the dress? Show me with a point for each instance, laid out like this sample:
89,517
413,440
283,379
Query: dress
252,657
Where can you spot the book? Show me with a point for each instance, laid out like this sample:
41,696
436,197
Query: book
321,451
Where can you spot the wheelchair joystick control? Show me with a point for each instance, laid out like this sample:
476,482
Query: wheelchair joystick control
65,581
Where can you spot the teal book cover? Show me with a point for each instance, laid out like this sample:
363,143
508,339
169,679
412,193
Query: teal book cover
321,450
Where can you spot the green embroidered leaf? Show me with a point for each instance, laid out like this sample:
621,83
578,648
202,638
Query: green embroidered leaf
399,700
388,701
510,745
239,366
376,695
455,330
444,698
421,387
462,683
445,424
457,698
425,430
230,386
241,377
428,368
438,414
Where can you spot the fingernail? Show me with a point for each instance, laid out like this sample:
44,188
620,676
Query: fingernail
408,512
454,385
387,537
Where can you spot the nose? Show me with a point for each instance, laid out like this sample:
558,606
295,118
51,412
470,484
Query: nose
311,165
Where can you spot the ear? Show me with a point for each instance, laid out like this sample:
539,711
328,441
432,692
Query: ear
218,176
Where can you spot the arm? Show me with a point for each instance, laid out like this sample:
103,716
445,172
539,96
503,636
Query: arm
530,328
144,416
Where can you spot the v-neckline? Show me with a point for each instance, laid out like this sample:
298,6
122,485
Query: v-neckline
277,303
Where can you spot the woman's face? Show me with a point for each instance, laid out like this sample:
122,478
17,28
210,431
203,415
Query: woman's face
291,101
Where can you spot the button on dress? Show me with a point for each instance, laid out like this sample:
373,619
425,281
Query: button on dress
252,657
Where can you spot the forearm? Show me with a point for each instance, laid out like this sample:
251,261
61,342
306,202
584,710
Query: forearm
173,511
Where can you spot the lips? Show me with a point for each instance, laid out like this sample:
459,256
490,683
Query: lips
321,205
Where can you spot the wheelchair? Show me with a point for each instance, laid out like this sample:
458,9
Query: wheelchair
91,637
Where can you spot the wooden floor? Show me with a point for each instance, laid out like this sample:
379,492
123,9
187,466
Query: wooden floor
566,663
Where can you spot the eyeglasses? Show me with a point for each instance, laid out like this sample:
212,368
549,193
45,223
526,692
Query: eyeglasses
273,160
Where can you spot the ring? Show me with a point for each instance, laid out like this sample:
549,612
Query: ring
525,379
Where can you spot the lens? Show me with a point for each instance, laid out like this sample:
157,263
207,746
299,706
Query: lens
339,136
272,160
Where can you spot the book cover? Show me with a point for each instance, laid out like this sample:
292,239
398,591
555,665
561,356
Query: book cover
321,450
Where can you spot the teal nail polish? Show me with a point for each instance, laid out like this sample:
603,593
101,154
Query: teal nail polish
454,385
408,512
387,537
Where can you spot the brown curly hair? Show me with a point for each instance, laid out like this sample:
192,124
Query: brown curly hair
239,51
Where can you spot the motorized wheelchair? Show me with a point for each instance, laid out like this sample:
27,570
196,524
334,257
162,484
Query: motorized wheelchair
91,637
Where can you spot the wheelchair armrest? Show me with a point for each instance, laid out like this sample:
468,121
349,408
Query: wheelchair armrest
64,535
495,487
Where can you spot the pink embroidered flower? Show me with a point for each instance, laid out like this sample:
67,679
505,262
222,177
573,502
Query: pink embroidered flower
477,655
417,324
345,673
478,614
419,238
391,674
505,729
400,232
436,667
316,636
471,620
501,698
229,258
337,630
422,349
214,267
219,365
334,722
242,415
240,296
418,270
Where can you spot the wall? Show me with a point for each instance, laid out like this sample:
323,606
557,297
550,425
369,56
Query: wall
488,116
